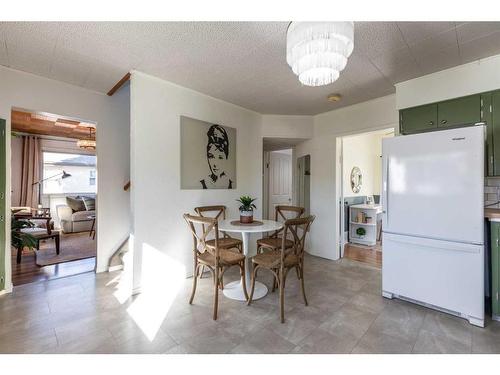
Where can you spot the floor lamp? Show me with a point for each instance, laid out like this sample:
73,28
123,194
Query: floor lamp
63,175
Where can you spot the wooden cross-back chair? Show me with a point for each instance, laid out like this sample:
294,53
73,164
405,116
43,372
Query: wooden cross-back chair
273,242
209,254
218,212
280,262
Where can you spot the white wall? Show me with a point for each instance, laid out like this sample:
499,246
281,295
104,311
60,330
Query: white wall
158,203
361,151
372,115
281,126
472,78
24,90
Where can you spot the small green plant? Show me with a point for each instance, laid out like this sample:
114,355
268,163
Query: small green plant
246,203
361,232
19,239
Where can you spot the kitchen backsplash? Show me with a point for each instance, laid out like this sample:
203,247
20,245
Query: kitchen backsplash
492,192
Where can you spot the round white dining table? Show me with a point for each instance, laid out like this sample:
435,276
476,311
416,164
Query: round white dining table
234,290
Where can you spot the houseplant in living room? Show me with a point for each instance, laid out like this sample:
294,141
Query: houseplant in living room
246,208
19,239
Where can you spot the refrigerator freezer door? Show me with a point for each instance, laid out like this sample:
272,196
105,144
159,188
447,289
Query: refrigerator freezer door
433,185
443,274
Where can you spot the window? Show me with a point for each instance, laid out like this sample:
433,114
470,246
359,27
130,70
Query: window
92,177
82,169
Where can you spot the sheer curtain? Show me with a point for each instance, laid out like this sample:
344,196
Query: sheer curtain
30,172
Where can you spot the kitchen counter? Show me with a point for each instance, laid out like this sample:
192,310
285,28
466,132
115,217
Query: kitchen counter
492,214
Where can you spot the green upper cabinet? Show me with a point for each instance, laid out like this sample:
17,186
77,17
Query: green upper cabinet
460,111
418,119
495,125
487,118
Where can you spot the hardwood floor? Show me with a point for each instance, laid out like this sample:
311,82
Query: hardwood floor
364,254
28,272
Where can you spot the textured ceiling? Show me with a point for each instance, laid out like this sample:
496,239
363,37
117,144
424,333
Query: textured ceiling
241,62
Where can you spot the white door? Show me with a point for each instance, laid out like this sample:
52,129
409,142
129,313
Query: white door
280,180
433,185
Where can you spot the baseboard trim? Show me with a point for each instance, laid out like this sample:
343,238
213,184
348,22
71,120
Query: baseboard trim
115,268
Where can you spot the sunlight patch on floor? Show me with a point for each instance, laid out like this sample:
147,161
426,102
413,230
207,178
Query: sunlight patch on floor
162,277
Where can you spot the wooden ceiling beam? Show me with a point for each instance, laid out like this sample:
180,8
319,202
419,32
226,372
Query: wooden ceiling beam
120,83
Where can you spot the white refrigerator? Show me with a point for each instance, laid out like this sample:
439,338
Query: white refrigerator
433,218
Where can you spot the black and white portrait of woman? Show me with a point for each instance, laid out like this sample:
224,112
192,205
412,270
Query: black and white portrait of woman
208,155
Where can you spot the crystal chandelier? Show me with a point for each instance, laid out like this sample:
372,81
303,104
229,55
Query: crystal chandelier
89,143
318,51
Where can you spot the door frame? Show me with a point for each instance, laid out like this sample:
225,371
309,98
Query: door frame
339,173
4,284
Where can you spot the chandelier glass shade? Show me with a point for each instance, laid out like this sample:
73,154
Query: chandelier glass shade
318,51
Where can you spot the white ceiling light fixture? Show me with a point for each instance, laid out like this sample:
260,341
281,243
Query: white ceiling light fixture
318,51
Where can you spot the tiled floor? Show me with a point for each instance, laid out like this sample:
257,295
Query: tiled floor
346,314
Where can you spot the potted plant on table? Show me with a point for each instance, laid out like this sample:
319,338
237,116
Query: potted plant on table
361,232
246,208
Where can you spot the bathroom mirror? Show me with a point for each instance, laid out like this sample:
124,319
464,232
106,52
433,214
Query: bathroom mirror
356,179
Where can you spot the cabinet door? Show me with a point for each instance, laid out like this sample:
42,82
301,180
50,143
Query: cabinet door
495,121
486,117
418,119
461,111
495,268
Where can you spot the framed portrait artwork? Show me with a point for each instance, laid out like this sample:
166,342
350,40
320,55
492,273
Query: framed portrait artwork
208,155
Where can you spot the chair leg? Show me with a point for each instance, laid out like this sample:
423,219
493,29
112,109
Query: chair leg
254,276
202,270
195,281
19,254
57,239
302,284
216,292
275,284
243,279
282,296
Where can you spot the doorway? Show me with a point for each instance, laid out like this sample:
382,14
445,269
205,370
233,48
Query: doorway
359,205
53,196
280,180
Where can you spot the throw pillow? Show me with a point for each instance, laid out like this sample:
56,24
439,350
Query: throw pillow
75,203
89,203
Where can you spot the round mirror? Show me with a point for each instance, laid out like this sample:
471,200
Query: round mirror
356,179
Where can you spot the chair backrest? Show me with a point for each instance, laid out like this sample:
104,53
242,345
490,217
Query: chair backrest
283,213
208,225
217,212
298,228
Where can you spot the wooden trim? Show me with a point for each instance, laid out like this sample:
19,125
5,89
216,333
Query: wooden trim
120,83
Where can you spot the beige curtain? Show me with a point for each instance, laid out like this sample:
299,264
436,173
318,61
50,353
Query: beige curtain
30,173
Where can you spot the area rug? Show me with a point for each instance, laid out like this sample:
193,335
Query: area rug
73,246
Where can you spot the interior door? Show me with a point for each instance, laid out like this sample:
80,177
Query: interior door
2,204
434,183
280,181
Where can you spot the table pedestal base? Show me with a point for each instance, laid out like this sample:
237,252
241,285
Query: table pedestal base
234,290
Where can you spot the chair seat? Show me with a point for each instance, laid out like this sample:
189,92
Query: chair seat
274,243
227,257
272,259
225,243
40,233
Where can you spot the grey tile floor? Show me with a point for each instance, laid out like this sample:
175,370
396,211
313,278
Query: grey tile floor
346,314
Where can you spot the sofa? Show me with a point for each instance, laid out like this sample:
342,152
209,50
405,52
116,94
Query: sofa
73,221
